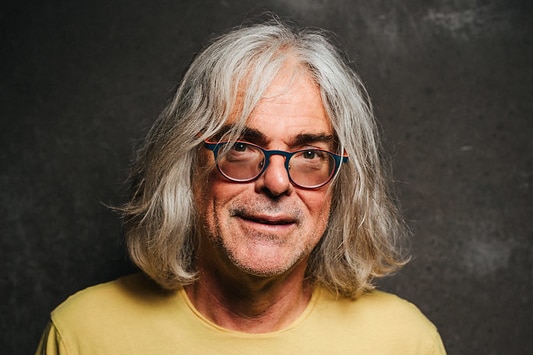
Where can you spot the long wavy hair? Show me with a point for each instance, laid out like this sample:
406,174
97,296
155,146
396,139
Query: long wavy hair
227,79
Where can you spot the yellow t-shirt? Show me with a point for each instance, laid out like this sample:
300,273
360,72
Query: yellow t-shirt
132,315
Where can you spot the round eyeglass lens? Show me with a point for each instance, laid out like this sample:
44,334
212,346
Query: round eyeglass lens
242,162
311,168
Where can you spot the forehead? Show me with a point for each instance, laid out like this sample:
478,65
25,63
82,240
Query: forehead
290,107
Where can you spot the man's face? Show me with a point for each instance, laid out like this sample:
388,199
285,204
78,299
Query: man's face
267,226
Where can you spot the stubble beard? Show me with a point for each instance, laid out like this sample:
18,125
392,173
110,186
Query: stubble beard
257,267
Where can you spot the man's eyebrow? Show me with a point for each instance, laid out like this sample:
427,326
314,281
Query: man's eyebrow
248,134
254,136
307,138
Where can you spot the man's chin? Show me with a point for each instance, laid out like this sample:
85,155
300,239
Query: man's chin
264,267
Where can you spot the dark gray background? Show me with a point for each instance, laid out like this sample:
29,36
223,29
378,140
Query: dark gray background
452,85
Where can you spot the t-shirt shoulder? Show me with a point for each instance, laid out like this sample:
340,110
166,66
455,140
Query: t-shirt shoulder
376,313
378,305
134,293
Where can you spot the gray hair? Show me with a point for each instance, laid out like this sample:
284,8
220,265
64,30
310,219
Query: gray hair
361,240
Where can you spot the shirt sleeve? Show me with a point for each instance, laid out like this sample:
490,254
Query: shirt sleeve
51,343
438,346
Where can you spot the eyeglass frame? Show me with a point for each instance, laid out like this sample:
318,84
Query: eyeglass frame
267,153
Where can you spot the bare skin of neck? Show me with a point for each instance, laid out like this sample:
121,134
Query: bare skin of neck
249,303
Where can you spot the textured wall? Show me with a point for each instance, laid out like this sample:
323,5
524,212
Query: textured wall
452,84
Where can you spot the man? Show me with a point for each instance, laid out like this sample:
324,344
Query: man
259,216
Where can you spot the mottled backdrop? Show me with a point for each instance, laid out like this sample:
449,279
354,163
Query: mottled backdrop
451,80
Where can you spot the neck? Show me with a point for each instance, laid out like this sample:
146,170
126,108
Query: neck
251,303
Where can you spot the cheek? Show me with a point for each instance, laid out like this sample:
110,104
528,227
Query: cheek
212,194
205,180
318,201
319,206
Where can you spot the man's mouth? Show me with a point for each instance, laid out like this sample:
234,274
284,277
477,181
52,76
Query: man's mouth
272,220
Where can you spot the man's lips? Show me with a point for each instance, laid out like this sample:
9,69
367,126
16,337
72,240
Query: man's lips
267,219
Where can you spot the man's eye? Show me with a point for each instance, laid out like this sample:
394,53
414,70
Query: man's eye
310,154
240,147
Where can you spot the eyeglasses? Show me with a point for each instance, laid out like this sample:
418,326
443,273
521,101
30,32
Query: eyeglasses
307,168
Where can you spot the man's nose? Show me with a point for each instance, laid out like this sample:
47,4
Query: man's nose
275,179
